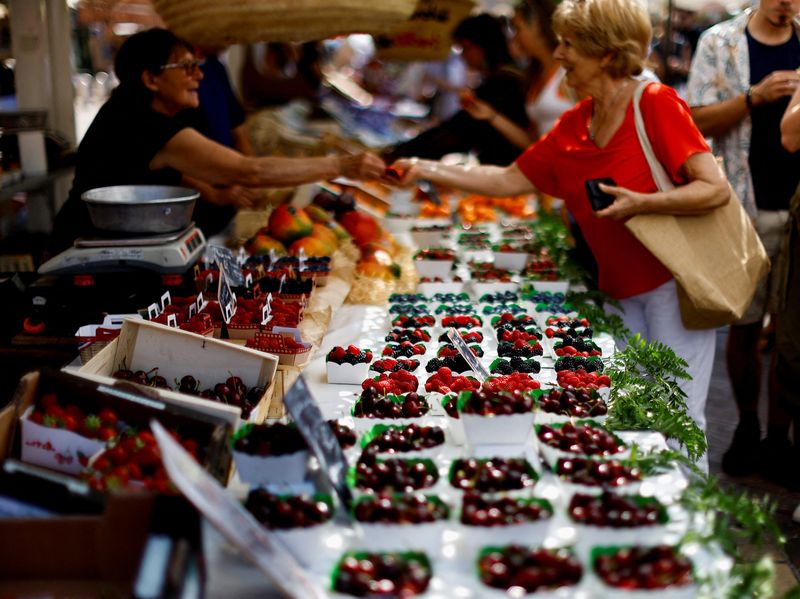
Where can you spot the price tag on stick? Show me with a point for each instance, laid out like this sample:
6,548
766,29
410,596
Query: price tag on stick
235,523
319,436
478,368
267,310
225,259
227,299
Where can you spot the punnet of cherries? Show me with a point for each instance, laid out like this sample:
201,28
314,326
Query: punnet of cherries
402,439
644,568
495,403
394,475
487,511
373,404
610,510
531,569
382,574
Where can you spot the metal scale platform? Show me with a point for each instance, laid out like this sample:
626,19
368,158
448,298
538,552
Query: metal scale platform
167,253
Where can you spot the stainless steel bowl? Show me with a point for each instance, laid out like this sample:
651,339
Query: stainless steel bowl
141,208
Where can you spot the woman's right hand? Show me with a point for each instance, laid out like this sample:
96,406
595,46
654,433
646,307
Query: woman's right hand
402,173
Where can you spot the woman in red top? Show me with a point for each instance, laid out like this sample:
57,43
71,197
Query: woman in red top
603,45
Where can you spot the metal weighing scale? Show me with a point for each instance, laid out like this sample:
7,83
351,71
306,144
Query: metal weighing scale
167,253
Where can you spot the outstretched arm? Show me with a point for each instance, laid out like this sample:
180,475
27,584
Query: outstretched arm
197,156
487,180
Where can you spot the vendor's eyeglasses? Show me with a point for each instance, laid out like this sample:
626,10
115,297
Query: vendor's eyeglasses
189,66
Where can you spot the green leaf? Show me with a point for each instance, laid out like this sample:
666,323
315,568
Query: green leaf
645,394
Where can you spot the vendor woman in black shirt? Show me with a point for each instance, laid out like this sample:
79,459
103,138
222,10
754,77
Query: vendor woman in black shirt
135,139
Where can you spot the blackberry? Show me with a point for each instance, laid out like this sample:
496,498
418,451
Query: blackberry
456,364
502,367
407,298
434,364
400,335
592,364
530,366
454,309
408,309
506,349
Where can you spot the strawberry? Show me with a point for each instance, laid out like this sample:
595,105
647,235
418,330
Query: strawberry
353,350
48,400
108,417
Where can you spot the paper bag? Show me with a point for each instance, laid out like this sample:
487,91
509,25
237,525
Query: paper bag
717,260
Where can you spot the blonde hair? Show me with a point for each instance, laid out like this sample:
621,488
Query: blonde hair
619,28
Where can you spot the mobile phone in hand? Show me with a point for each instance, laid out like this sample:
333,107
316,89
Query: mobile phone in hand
597,198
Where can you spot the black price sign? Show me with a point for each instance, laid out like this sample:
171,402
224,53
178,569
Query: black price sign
226,297
225,259
478,368
319,436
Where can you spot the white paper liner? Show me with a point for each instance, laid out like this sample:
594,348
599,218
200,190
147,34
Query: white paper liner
55,448
398,224
432,288
346,374
594,536
542,417
571,592
308,545
514,261
481,287
551,286
688,591
473,538
261,471
428,239
433,268
425,537
455,431
504,429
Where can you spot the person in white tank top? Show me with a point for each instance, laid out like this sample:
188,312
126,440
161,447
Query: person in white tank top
552,101
548,96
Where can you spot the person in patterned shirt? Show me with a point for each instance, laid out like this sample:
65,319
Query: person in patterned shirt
741,79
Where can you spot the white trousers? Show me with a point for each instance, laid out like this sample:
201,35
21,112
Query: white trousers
656,316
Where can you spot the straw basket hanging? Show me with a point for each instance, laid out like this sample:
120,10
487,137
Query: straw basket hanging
426,35
249,21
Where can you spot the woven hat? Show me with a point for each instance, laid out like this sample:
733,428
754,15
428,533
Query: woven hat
215,22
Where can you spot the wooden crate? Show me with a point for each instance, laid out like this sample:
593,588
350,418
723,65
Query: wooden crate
143,345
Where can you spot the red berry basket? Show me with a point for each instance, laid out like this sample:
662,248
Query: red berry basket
92,338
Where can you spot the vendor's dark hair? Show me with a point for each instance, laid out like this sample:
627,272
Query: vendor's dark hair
488,33
144,51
